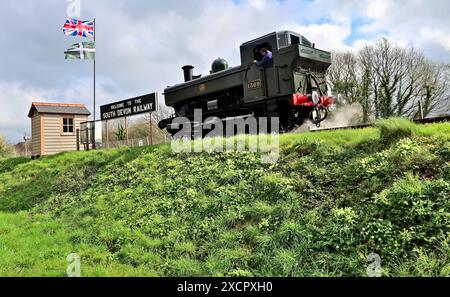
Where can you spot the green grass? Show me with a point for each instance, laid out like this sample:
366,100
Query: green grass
331,200
9,164
39,246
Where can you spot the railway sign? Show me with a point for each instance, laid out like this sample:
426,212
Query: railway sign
130,107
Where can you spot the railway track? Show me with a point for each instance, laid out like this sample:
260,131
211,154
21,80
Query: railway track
418,121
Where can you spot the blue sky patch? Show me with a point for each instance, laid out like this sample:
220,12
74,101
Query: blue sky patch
356,33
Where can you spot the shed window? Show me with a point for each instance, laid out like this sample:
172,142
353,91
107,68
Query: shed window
67,125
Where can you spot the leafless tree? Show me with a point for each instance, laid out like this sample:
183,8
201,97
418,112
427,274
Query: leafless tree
342,74
162,113
435,91
389,80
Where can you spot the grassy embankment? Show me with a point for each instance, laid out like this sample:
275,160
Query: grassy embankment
332,199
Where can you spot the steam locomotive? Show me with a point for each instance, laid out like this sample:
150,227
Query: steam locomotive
293,88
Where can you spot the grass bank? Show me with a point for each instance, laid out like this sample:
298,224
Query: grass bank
331,200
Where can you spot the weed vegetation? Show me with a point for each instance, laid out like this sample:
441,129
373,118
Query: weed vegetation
332,199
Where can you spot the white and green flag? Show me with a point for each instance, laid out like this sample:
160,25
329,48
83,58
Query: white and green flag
81,51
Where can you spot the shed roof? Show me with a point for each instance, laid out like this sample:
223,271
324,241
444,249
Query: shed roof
58,108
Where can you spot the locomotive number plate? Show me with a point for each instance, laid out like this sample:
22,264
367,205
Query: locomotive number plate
256,84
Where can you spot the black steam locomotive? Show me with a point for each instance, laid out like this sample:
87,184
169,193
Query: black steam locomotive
292,88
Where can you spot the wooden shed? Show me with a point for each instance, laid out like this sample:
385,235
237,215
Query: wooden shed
54,126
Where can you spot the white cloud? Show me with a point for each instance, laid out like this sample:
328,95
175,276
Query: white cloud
378,9
326,36
258,4
17,99
419,23
437,36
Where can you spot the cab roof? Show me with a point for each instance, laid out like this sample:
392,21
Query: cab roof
275,33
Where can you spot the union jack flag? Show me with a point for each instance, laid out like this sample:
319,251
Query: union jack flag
74,27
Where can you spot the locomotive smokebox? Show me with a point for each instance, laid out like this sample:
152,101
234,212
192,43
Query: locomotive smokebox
188,72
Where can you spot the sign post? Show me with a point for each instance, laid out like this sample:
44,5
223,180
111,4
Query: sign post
151,130
126,130
107,134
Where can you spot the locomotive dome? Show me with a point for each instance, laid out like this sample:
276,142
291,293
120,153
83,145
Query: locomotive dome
219,64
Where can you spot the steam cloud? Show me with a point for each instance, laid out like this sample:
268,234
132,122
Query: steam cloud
343,116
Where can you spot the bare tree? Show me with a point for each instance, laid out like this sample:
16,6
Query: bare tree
389,80
342,75
435,92
350,76
162,113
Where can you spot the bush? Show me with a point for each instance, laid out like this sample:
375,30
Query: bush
394,129
9,164
6,150
413,213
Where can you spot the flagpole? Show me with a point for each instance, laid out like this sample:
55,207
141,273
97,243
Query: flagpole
95,57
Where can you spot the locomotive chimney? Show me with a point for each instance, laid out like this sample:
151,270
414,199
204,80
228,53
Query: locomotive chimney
188,72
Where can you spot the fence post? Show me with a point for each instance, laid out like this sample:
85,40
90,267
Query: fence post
78,139
93,136
87,138
421,109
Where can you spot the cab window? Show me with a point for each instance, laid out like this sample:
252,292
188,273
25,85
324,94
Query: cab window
257,52
283,40
295,39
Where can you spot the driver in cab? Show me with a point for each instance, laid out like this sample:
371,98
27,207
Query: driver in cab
267,60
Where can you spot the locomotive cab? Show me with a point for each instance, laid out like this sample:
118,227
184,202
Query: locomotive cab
289,64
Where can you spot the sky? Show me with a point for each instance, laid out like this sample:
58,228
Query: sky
142,44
